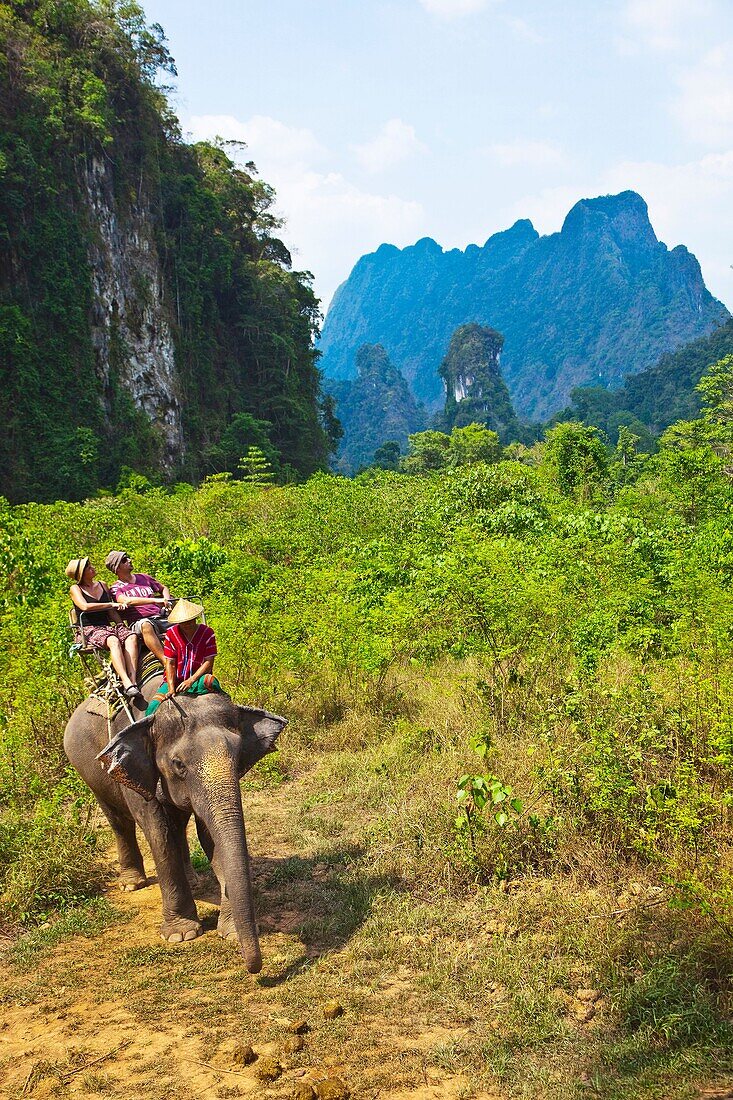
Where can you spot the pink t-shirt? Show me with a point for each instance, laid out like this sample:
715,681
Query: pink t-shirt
140,585
189,655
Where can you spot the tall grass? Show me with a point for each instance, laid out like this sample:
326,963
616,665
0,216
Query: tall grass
476,623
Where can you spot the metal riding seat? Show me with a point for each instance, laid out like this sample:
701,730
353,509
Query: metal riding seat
100,679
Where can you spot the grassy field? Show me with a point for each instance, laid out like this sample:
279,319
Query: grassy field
497,831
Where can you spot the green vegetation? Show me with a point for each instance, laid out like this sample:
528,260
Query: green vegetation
374,409
81,98
649,402
465,446
510,748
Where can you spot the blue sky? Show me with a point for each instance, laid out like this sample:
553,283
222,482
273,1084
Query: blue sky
390,120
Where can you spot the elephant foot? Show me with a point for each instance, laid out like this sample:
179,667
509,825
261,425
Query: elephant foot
180,930
225,926
131,880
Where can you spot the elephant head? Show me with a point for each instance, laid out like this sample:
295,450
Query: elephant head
192,752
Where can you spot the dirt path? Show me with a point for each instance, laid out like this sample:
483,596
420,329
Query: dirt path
122,1014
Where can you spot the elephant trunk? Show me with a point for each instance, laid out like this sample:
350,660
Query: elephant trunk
225,822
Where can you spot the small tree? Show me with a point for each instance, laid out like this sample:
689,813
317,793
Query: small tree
474,443
387,457
242,432
427,451
255,469
689,465
577,459
716,391
627,463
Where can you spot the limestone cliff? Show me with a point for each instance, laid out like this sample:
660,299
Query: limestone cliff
130,326
149,316
475,390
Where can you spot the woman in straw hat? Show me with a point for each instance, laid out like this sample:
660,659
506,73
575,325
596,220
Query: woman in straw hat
103,628
189,647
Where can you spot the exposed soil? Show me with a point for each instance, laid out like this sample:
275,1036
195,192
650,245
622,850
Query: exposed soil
123,1014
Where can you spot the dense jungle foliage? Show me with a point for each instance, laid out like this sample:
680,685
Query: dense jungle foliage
78,85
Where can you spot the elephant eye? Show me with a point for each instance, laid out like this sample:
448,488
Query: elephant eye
179,767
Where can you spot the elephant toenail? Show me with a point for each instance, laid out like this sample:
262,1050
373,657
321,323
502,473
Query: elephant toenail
175,938
191,935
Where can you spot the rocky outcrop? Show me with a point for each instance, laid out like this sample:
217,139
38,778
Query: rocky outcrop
598,301
130,327
475,390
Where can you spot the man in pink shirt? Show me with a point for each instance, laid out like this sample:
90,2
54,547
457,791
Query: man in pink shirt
143,600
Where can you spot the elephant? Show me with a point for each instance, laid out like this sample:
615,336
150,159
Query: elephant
187,758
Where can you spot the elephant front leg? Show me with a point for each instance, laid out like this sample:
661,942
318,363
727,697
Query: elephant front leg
182,818
163,834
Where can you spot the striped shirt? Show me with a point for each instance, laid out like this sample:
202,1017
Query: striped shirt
189,655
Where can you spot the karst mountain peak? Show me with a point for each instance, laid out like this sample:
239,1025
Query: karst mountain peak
598,300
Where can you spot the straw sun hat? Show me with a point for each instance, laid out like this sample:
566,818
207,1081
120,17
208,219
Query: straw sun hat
75,568
185,612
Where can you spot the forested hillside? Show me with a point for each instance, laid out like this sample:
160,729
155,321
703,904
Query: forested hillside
657,397
148,314
374,408
667,391
506,776
598,301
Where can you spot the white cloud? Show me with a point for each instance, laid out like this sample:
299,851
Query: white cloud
524,30
704,106
528,154
270,137
663,24
395,142
330,222
453,9
689,204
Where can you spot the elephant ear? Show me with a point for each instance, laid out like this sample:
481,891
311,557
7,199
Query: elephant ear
130,759
260,730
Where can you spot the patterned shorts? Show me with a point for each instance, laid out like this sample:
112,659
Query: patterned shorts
97,635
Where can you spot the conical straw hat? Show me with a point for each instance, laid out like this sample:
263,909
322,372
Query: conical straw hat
185,612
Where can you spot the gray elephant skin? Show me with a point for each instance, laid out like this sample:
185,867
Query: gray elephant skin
185,759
